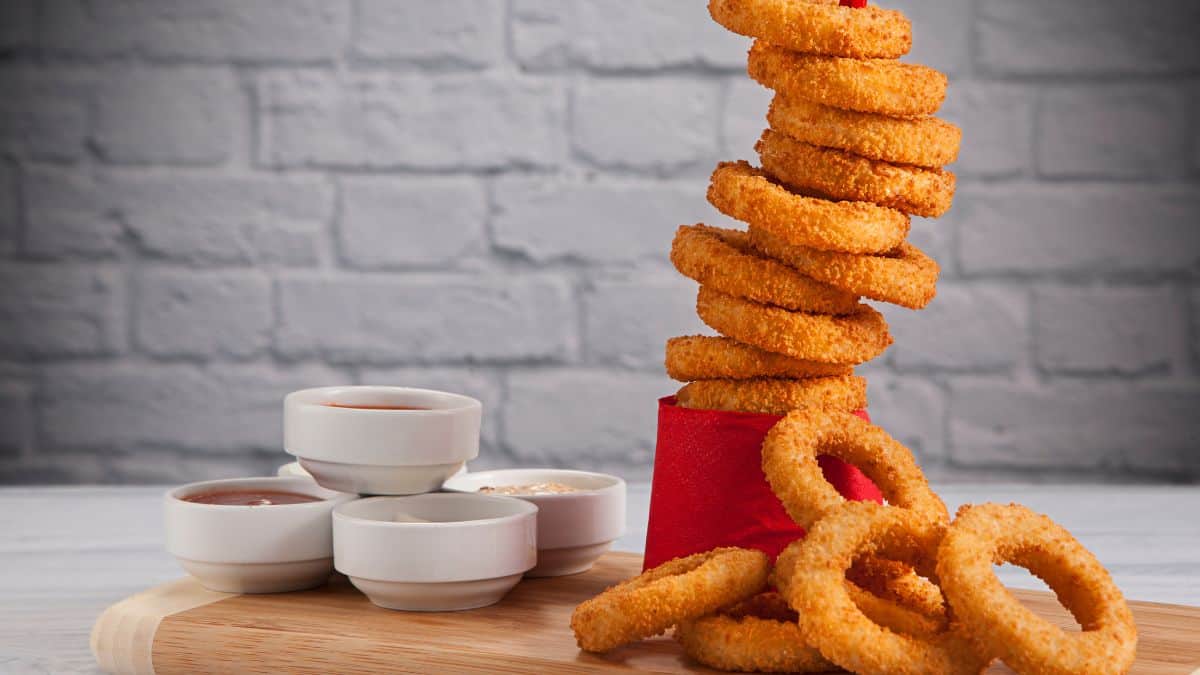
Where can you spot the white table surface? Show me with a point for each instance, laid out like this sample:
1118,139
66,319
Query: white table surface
67,553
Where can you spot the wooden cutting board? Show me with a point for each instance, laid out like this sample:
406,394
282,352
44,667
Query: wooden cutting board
182,628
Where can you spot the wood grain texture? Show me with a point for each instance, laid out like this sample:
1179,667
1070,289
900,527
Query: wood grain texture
336,629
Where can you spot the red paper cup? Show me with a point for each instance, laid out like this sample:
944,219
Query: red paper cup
709,489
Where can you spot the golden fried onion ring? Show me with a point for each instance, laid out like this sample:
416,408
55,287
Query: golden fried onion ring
677,590
866,85
789,460
921,141
740,191
758,635
904,276
830,620
989,534
776,396
841,175
850,339
815,28
724,260
703,357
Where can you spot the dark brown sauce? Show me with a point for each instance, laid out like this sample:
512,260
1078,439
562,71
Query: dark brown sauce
250,498
376,407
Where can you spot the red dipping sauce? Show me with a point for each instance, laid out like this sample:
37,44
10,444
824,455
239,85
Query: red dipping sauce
250,498
376,407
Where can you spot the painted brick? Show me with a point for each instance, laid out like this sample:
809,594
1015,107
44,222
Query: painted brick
911,410
55,310
391,222
600,420
1098,229
16,24
419,319
169,116
656,124
593,220
627,321
43,113
16,419
1082,425
10,213
267,31
743,116
466,32
1112,132
133,406
202,314
643,35
408,121
472,382
1082,37
225,219
68,212
941,33
1106,330
997,124
967,327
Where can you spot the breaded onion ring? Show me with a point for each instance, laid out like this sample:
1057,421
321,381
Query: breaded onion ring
990,534
815,28
740,191
830,620
759,635
848,339
724,260
789,460
920,141
776,396
904,276
702,357
841,175
873,86
893,580
677,590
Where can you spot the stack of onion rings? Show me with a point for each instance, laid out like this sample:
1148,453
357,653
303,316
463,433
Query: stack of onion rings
776,396
817,28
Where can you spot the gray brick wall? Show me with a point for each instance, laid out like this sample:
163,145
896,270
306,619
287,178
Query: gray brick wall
206,204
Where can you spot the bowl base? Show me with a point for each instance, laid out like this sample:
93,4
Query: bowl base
444,596
282,577
379,480
559,562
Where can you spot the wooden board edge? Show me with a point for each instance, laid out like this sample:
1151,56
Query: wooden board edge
122,639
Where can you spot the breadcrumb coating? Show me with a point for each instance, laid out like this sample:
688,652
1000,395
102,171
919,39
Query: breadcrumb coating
775,396
703,357
818,28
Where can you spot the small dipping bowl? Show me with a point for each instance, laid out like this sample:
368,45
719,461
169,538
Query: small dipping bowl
253,549
574,528
362,439
435,552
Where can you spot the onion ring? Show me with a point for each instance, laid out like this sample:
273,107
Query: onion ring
868,85
677,590
830,620
814,28
724,260
758,635
989,534
747,194
851,339
893,580
789,460
702,357
776,396
922,141
904,276
841,175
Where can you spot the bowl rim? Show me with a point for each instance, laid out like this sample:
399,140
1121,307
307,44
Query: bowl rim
174,496
525,509
312,398
617,483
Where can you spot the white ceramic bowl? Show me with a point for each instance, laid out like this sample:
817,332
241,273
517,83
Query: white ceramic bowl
435,552
380,452
253,549
294,469
574,528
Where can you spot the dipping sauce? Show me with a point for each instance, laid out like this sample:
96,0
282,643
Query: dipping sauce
531,489
376,407
250,498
